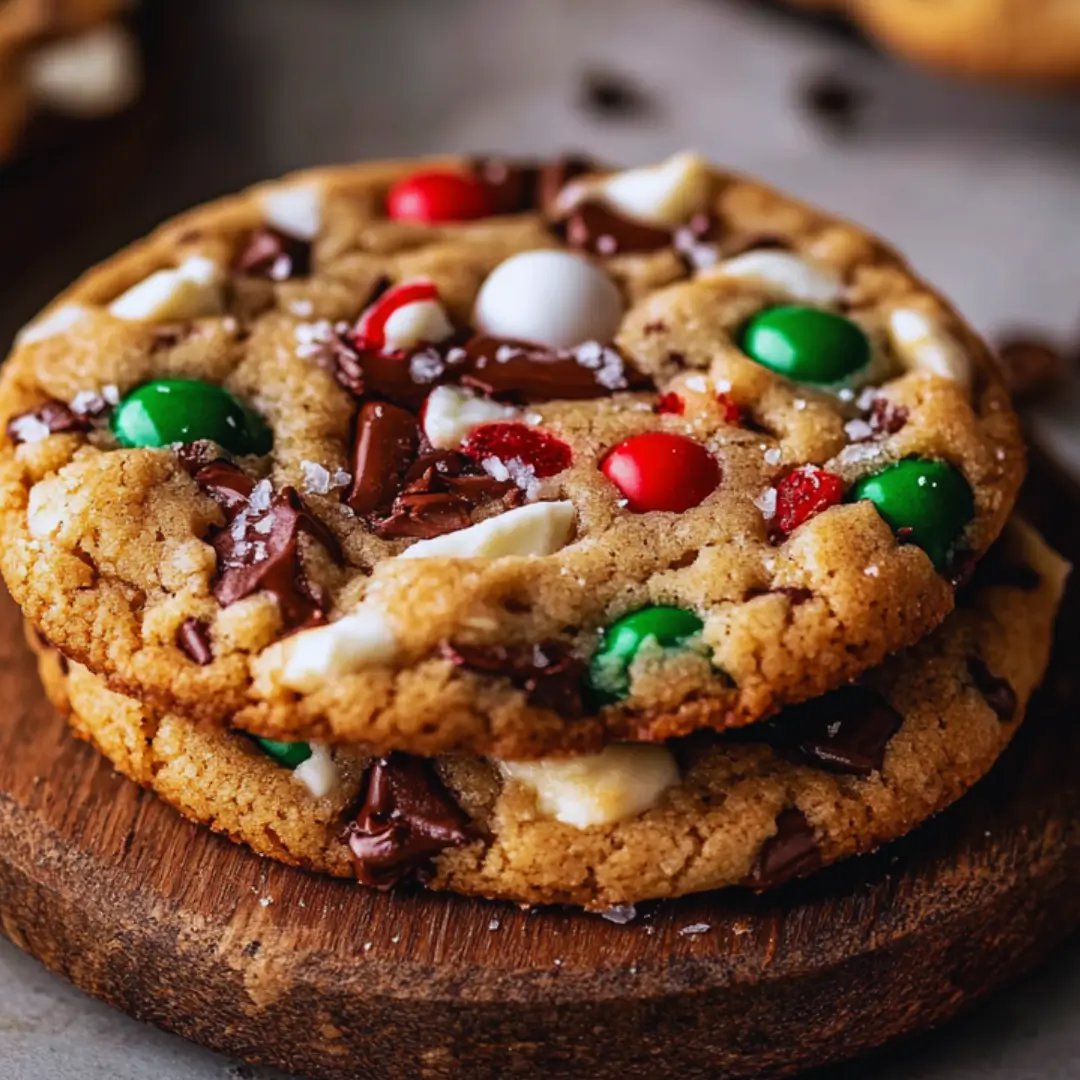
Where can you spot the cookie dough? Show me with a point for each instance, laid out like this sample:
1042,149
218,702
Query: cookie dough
831,778
497,458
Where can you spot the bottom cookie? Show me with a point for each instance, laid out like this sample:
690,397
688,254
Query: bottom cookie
835,777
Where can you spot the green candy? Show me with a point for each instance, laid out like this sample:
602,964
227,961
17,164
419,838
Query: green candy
608,671
167,411
806,344
929,498
288,754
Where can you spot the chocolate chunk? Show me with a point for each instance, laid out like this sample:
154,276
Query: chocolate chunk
424,516
612,95
194,455
550,675
885,418
404,378
227,484
406,818
1032,365
524,373
51,418
267,253
833,102
193,638
999,694
259,551
599,230
846,731
384,446
790,853
517,186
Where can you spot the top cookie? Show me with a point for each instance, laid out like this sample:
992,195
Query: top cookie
478,456
1022,41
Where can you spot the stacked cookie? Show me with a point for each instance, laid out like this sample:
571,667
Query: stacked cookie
531,530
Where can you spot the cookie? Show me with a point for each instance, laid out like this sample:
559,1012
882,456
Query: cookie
73,58
827,779
498,459
1034,42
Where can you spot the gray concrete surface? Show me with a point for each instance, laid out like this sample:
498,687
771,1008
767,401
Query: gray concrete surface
981,188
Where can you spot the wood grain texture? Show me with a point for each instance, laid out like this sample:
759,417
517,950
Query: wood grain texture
178,927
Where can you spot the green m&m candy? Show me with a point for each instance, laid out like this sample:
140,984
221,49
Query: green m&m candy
621,642
287,754
925,502
167,411
806,344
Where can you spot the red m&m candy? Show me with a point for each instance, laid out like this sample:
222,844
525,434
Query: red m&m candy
662,471
440,195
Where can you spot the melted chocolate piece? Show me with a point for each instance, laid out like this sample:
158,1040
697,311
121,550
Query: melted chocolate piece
267,253
517,186
55,416
886,418
599,230
846,731
384,446
193,639
550,675
259,551
406,818
403,378
424,516
524,373
792,852
227,484
999,694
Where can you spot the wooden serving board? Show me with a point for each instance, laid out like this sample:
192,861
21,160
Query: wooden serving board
178,927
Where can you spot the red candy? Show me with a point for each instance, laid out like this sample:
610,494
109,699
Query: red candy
671,405
508,442
804,493
370,332
661,471
731,412
440,196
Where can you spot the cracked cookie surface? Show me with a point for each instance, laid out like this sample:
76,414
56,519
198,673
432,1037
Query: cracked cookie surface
835,777
619,456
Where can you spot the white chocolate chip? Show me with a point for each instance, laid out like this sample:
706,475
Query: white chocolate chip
667,194
921,344
420,323
318,773
620,782
46,507
552,298
312,658
295,209
450,414
189,291
96,73
538,529
790,275
56,322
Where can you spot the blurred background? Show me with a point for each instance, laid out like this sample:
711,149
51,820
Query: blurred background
102,135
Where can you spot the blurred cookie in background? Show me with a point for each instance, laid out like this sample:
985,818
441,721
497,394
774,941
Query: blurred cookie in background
1031,42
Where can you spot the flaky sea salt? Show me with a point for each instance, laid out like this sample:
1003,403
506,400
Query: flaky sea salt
301,308
858,430
700,255
698,383
694,929
773,456
620,914
426,366
311,337
260,496
29,429
766,503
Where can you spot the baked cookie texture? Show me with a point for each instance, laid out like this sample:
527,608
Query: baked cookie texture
1031,42
826,780
512,458
73,58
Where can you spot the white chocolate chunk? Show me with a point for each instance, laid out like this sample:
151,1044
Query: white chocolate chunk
295,209
318,773
553,298
922,345
93,74
450,414
46,507
668,194
58,321
537,529
423,322
308,660
620,782
790,275
191,290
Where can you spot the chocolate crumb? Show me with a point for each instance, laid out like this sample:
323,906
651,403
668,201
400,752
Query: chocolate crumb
613,96
999,694
833,102
267,253
193,638
790,853
406,818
